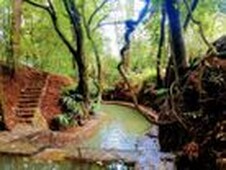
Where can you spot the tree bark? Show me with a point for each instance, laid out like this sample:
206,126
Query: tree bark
178,53
15,33
87,25
78,51
78,55
161,43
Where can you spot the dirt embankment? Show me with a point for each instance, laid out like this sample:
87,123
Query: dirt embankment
50,100
10,88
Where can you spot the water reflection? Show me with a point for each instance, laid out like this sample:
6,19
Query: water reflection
121,130
9,162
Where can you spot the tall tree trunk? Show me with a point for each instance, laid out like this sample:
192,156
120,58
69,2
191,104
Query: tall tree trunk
161,43
177,42
79,56
99,83
15,33
76,49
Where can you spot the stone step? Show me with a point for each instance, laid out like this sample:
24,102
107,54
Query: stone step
27,110
25,115
31,89
28,100
24,111
25,105
24,120
30,96
38,83
21,113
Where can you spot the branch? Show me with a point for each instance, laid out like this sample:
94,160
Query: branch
51,7
110,23
188,17
201,31
37,5
52,13
96,11
98,23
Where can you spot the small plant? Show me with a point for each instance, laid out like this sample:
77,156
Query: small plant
65,120
71,106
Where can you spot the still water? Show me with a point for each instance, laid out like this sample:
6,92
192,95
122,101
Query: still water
122,130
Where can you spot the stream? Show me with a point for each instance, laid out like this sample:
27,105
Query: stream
120,140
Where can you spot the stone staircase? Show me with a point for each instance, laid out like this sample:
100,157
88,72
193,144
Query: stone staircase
29,99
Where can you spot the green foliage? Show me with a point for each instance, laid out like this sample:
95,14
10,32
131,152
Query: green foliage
4,29
71,101
65,120
213,22
71,105
110,72
161,92
42,48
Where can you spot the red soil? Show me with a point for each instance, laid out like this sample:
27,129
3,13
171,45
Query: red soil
50,101
10,89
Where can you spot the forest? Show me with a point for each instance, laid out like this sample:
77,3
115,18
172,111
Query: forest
113,84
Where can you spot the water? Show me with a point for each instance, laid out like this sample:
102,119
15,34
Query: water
121,129
120,136
8,162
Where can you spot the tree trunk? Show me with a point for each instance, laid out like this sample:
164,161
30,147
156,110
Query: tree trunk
15,33
177,42
78,55
99,83
161,43
77,51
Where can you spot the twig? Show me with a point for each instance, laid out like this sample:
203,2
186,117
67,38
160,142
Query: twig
95,12
51,11
37,5
201,31
193,6
173,107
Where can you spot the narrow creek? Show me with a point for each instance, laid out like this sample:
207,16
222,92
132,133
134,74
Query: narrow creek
121,139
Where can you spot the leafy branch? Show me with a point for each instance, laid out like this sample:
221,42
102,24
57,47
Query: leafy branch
52,13
201,31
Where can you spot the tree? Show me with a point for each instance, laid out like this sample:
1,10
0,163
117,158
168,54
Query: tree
161,43
89,32
77,50
177,63
15,33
